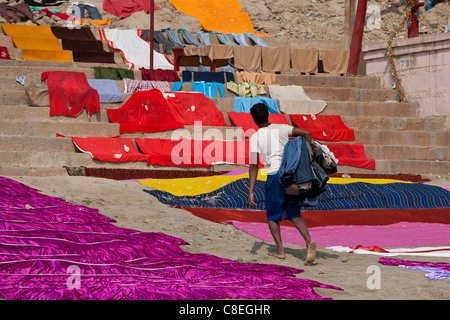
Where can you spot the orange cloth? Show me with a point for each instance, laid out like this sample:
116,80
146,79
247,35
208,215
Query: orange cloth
259,77
217,15
37,42
96,22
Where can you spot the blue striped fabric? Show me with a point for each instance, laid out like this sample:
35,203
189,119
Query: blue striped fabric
358,195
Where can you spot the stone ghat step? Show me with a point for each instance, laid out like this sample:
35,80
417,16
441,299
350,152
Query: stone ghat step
13,97
343,108
9,83
16,68
79,129
435,124
42,114
378,152
375,137
327,93
24,159
12,91
21,161
50,129
347,108
410,152
350,108
26,67
101,129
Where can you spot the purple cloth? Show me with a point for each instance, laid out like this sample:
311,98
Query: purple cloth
437,270
43,238
397,262
236,172
432,273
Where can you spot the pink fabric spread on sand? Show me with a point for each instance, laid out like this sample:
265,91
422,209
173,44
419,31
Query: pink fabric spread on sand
394,235
51,249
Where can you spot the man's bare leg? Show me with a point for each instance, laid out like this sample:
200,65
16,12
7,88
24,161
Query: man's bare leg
301,226
274,228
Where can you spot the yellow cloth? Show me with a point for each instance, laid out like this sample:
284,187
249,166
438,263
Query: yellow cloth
37,42
246,89
217,15
200,185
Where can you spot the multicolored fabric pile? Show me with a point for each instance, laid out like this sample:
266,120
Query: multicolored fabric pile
353,215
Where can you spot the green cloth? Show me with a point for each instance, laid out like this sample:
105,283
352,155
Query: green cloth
37,9
112,73
246,89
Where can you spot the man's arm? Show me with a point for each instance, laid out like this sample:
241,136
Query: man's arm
297,132
253,174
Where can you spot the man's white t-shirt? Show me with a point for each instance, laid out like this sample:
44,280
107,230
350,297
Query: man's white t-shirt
269,142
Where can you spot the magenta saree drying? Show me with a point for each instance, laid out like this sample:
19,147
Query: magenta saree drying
54,250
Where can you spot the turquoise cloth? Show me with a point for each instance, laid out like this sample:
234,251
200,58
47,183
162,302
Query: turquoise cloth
207,88
244,104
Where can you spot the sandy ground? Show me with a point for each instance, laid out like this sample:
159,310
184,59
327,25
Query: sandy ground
131,207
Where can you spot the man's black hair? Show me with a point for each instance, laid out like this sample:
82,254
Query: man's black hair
260,113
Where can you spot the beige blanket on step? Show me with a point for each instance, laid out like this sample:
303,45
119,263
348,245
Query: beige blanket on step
335,61
276,59
247,57
214,51
294,100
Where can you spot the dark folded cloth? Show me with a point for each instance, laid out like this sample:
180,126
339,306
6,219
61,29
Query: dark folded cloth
160,75
83,44
19,12
45,3
220,77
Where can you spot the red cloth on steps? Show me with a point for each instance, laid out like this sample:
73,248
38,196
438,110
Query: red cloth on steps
111,149
175,153
69,92
245,121
194,153
351,154
145,111
124,8
189,107
324,127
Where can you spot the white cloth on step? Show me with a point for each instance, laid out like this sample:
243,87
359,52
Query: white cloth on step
136,51
293,100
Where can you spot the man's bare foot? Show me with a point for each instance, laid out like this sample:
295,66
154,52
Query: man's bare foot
277,255
310,253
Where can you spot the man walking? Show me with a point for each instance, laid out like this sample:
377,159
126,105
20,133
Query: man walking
269,141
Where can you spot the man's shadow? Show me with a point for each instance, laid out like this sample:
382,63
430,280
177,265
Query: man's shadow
299,253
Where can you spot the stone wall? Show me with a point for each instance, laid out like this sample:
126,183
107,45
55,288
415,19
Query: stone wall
423,66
